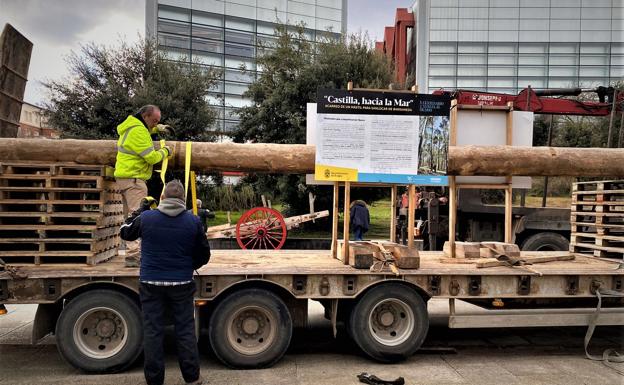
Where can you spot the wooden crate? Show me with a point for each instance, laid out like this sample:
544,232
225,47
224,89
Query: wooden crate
58,213
597,219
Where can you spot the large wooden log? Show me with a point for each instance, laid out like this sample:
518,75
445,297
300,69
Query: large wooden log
262,157
536,161
299,158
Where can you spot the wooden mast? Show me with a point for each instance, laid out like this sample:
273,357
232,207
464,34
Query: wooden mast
299,158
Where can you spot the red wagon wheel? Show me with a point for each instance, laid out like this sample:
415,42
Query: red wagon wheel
261,228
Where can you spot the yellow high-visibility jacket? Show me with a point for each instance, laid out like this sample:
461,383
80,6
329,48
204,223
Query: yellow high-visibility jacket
135,150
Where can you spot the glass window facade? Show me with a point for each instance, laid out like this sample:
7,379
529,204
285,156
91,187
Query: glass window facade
230,34
506,45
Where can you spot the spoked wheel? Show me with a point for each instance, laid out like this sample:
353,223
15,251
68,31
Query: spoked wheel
390,322
261,228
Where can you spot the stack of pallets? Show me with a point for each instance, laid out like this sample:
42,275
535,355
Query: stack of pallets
58,213
597,219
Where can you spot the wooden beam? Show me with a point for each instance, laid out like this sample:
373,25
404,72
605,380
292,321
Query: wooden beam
299,158
508,180
452,215
393,206
336,207
347,222
411,217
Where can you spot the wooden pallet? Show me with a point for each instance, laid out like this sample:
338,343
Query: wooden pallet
58,213
597,219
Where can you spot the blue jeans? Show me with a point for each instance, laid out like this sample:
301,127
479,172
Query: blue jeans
154,301
358,231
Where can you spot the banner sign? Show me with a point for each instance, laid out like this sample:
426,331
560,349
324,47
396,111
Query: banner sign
384,137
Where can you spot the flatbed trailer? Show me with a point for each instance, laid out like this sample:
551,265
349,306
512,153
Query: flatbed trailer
249,301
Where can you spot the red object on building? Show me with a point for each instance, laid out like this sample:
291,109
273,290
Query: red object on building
395,42
548,101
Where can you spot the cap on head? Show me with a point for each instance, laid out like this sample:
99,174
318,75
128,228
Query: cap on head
174,189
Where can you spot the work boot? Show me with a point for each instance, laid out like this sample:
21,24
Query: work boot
198,381
132,262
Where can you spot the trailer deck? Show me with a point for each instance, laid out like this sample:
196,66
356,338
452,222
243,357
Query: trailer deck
315,274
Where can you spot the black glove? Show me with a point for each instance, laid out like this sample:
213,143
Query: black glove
147,203
374,380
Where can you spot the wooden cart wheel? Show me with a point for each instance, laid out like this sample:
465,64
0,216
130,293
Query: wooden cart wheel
261,228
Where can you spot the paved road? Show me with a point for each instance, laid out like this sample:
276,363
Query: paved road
475,356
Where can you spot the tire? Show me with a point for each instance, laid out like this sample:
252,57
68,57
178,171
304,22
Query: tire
250,328
546,242
390,322
105,314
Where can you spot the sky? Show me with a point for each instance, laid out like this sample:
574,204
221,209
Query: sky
58,27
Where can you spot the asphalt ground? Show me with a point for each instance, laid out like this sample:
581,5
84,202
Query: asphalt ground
448,356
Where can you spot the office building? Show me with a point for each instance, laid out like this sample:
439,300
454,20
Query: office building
507,45
228,34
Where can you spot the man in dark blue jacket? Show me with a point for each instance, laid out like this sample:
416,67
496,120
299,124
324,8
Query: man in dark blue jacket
173,244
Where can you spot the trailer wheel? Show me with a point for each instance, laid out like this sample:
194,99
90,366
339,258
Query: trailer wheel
546,241
250,328
100,332
390,322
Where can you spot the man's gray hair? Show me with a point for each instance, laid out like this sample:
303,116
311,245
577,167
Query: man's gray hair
174,189
148,109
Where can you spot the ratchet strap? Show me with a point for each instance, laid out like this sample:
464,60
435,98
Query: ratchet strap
163,168
187,167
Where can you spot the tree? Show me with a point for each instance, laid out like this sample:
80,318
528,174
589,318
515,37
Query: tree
292,71
107,84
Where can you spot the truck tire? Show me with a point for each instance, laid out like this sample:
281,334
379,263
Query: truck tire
250,328
100,331
390,322
546,241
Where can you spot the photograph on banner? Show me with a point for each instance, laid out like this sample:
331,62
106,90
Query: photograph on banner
382,137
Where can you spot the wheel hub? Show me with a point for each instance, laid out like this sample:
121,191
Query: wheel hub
251,326
386,318
252,330
106,328
391,322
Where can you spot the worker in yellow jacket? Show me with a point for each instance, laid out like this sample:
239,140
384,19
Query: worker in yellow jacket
135,157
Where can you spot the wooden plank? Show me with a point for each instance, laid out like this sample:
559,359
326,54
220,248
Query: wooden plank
411,216
492,262
393,210
54,202
492,249
463,249
46,240
335,209
347,222
52,189
597,192
102,257
61,214
38,177
48,227
452,215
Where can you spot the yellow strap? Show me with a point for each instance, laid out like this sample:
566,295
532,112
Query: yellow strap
163,168
187,167
194,192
